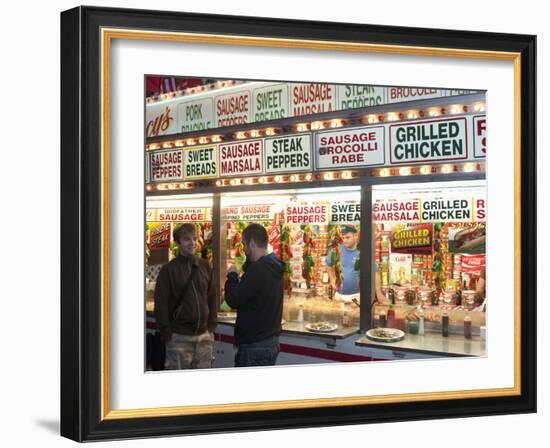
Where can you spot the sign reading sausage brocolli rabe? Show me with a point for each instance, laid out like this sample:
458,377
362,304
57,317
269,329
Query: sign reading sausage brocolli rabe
355,147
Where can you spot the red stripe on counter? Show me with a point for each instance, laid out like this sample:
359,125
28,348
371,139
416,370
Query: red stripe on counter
307,351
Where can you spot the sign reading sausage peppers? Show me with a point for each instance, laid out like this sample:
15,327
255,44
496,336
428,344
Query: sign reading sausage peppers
429,141
312,213
166,165
233,109
353,147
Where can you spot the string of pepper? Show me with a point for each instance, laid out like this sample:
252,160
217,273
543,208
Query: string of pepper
308,261
334,252
285,254
238,245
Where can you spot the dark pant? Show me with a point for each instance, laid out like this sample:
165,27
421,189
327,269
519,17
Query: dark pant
261,353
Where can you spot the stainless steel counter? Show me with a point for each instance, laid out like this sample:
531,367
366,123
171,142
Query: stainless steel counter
300,328
431,343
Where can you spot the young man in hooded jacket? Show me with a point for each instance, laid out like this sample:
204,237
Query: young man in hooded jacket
258,298
187,329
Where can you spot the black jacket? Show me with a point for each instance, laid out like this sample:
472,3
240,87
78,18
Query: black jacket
258,299
200,304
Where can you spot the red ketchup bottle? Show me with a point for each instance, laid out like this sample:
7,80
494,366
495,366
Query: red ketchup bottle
390,322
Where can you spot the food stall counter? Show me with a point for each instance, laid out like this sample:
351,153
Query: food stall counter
433,344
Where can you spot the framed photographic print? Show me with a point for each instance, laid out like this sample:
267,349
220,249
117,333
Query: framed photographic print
276,224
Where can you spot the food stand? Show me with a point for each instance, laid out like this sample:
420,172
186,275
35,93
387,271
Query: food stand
401,169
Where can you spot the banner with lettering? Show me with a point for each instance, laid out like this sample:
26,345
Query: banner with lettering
306,213
288,154
354,147
166,165
251,212
480,136
259,101
179,214
347,212
437,206
195,115
159,235
412,240
436,140
271,102
201,162
241,158
233,109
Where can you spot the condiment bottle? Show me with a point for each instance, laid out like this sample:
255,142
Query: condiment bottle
391,318
421,321
345,317
391,296
382,320
300,313
445,324
467,327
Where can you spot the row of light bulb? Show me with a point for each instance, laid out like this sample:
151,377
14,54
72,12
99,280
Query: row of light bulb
468,167
328,124
192,90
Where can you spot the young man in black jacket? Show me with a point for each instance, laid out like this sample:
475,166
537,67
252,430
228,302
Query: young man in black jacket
258,299
186,307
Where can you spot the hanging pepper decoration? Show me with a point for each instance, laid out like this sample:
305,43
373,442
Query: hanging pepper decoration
438,267
237,243
308,261
147,245
208,249
200,240
285,255
335,254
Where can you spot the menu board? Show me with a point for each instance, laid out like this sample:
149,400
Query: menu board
159,235
195,115
179,214
258,101
201,162
241,158
348,212
428,141
312,98
480,136
288,153
233,109
271,103
166,165
431,207
354,97
355,147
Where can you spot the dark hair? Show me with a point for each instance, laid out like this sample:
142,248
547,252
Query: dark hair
185,229
348,229
257,233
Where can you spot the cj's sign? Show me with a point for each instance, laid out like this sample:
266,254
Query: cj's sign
160,121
